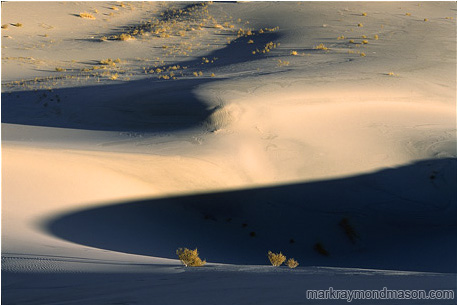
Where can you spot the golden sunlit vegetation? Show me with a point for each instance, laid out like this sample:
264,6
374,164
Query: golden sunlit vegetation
86,16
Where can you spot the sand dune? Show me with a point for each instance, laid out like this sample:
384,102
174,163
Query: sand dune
236,128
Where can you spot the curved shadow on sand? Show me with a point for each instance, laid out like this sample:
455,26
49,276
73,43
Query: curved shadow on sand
149,105
403,219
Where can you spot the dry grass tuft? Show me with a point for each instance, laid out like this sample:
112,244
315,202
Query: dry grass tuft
293,52
365,42
190,258
276,259
426,19
282,63
364,14
59,69
362,54
5,26
87,16
360,25
376,37
17,24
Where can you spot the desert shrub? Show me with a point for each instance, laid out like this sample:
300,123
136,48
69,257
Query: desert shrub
321,47
276,259
190,258
4,26
320,249
86,16
292,263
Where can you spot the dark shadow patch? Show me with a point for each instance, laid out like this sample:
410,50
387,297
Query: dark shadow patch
404,222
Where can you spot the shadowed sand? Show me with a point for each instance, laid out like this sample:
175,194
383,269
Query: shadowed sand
403,219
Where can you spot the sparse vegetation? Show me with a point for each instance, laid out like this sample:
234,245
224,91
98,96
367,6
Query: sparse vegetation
17,25
59,69
360,25
292,263
190,258
5,26
276,259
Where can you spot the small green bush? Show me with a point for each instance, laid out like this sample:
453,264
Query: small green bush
190,258
276,259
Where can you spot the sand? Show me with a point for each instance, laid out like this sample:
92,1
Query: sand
109,166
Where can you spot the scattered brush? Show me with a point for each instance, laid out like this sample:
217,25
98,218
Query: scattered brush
190,258
376,37
17,25
390,73
276,259
293,53
5,26
59,69
362,54
87,16
364,14
340,37
426,19
360,25
365,42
